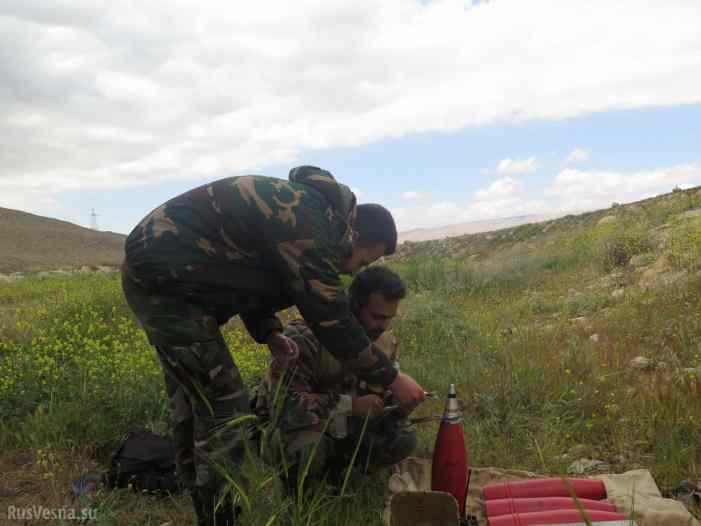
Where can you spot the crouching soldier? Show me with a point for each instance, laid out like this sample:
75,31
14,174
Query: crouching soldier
319,407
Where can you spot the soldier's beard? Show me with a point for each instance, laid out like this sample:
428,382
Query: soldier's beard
374,334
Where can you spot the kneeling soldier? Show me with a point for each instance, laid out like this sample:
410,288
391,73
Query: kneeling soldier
319,407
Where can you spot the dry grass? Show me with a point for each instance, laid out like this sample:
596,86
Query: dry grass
30,243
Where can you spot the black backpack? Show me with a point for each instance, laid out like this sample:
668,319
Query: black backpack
144,460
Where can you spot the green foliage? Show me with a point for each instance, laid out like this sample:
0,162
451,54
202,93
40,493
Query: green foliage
683,249
615,249
80,353
610,245
432,273
659,211
582,304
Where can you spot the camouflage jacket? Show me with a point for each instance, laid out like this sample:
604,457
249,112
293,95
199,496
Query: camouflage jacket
319,387
255,245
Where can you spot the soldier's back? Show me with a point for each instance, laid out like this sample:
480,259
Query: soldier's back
202,236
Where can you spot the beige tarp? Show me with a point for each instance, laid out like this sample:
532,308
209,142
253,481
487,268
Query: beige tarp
632,492
636,492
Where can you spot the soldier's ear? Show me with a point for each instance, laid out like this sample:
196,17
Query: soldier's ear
347,244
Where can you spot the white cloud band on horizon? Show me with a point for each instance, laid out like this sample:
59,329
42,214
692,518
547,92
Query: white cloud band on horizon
586,190
569,191
98,96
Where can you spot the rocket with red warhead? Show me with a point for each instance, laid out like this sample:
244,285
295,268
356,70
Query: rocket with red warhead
449,470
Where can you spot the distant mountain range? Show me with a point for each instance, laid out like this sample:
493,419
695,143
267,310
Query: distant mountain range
472,227
30,242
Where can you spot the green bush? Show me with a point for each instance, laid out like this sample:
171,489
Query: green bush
615,248
684,246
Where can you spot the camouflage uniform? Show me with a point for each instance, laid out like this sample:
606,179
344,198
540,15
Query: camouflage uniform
310,407
250,246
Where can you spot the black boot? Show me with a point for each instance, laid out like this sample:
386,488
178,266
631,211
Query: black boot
209,514
225,514
199,508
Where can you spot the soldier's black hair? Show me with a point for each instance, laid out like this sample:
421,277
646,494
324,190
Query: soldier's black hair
375,224
375,279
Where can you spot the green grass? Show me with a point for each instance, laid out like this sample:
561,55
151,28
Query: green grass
512,328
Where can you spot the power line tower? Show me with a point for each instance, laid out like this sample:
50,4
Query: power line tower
93,220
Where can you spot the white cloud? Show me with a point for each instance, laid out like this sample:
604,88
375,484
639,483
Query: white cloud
411,196
569,191
445,213
505,197
433,214
517,166
574,189
96,96
499,189
577,156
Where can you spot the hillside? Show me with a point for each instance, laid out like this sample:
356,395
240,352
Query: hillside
659,214
30,243
471,227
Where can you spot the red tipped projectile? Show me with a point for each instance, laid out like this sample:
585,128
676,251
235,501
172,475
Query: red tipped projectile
498,507
552,487
553,517
449,470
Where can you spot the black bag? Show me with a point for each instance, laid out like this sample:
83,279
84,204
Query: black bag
144,460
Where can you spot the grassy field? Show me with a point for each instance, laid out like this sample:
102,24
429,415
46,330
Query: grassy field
539,332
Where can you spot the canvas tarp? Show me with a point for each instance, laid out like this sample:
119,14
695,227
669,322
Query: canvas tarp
632,492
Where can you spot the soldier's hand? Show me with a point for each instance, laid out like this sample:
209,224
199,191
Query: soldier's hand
284,350
362,405
407,391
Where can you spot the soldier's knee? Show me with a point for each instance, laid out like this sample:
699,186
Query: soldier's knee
396,448
405,445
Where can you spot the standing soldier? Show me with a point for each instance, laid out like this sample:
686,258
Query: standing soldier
318,407
250,246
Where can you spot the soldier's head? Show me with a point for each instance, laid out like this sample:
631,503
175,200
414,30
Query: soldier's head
375,294
374,236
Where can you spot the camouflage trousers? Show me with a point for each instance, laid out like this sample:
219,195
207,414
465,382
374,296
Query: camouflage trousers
203,384
384,443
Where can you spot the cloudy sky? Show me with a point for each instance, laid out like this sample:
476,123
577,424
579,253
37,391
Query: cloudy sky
444,111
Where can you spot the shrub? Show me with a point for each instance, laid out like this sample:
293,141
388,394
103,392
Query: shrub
684,246
615,248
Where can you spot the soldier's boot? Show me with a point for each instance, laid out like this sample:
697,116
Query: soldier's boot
209,514
225,514
289,481
199,509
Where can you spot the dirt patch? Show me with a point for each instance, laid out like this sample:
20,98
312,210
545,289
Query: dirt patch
39,481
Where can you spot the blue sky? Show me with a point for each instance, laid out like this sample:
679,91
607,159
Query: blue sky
451,166
444,111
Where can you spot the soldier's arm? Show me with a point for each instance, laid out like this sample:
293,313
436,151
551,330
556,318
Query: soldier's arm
387,343
318,293
260,324
303,403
